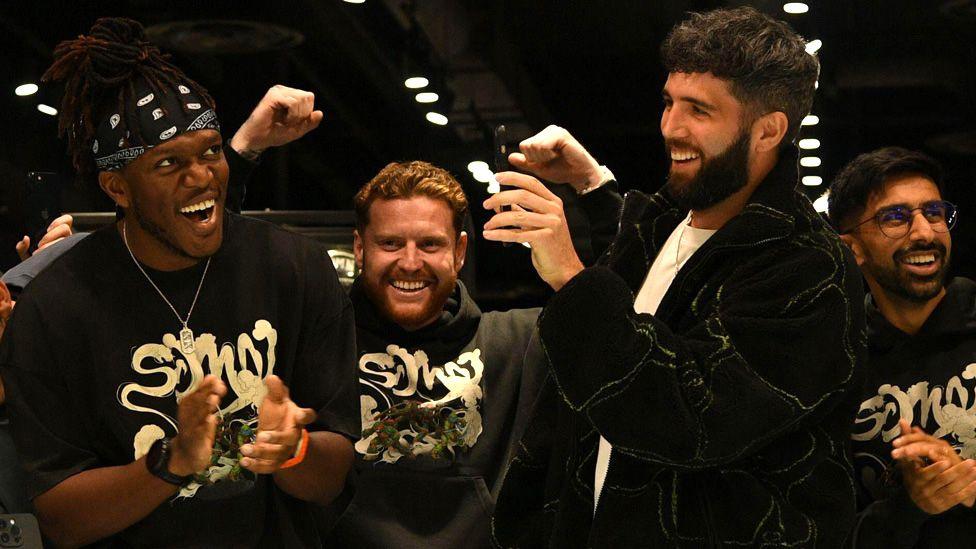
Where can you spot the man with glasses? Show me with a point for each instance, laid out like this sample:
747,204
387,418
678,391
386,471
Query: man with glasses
914,435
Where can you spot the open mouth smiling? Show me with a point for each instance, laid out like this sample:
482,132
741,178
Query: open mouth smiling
410,286
200,212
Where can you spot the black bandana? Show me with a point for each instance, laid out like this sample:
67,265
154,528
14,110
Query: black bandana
160,115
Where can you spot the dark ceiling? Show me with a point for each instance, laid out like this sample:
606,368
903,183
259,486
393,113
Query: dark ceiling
895,72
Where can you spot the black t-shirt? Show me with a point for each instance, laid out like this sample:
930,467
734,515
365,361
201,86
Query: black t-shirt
93,368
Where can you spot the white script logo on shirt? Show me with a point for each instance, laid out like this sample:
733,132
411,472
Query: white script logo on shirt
242,367
399,373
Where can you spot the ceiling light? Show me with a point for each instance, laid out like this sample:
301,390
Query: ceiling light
437,118
47,109
427,97
810,161
810,120
812,180
813,46
820,204
24,90
416,82
478,166
809,144
483,176
354,1
795,7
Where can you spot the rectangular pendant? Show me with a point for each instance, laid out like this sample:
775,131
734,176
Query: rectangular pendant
186,341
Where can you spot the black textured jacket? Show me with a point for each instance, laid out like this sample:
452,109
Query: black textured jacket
729,410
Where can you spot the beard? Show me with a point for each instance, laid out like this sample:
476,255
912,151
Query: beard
717,179
156,231
908,286
411,317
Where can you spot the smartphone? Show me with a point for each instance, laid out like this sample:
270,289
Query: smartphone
43,198
502,149
500,154
20,530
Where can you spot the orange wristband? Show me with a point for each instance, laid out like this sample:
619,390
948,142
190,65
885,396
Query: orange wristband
299,452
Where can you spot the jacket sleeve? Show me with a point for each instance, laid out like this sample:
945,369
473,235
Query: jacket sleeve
894,522
779,342
240,173
602,208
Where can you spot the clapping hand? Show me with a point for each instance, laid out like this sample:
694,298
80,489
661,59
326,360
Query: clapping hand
280,425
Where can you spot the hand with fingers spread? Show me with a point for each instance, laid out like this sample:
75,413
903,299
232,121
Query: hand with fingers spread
280,425
56,231
935,476
555,155
536,217
197,417
283,115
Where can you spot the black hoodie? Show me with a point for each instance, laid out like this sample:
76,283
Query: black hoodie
487,364
930,380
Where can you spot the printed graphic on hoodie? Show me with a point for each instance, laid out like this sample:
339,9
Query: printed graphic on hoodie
386,379
242,368
945,411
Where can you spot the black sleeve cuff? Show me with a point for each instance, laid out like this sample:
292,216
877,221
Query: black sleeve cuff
240,173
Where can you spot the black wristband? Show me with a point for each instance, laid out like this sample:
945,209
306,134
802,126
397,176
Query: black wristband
157,461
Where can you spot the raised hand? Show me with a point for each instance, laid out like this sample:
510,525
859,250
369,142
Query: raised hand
57,230
538,217
197,417
280,424
283,115
555,155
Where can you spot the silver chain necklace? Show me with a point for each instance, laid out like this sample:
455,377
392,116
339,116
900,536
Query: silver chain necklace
186,334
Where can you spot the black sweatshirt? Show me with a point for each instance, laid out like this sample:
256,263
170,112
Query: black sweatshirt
930,380
486,365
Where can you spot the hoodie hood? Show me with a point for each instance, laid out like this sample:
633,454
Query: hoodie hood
442,340
955,315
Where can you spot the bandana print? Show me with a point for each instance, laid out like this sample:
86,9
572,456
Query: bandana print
160,116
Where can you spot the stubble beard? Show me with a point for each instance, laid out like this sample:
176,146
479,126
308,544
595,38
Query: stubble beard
905,285
427,314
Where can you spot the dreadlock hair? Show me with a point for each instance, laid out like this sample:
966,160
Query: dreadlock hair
100,71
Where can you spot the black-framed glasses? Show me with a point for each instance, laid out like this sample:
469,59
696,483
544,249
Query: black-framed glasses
896,221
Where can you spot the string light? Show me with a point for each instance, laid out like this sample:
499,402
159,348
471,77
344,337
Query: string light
796,7
24,90
436,118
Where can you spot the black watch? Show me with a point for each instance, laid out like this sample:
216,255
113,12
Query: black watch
157,461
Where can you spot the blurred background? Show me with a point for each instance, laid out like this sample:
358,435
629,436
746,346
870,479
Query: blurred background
894,72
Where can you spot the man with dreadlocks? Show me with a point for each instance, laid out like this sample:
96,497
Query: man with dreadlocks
153,408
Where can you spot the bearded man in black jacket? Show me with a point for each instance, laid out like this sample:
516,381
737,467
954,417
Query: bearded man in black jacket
703,375
913,435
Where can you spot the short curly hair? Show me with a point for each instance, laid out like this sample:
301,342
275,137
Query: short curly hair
409,179
764,60
866,175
